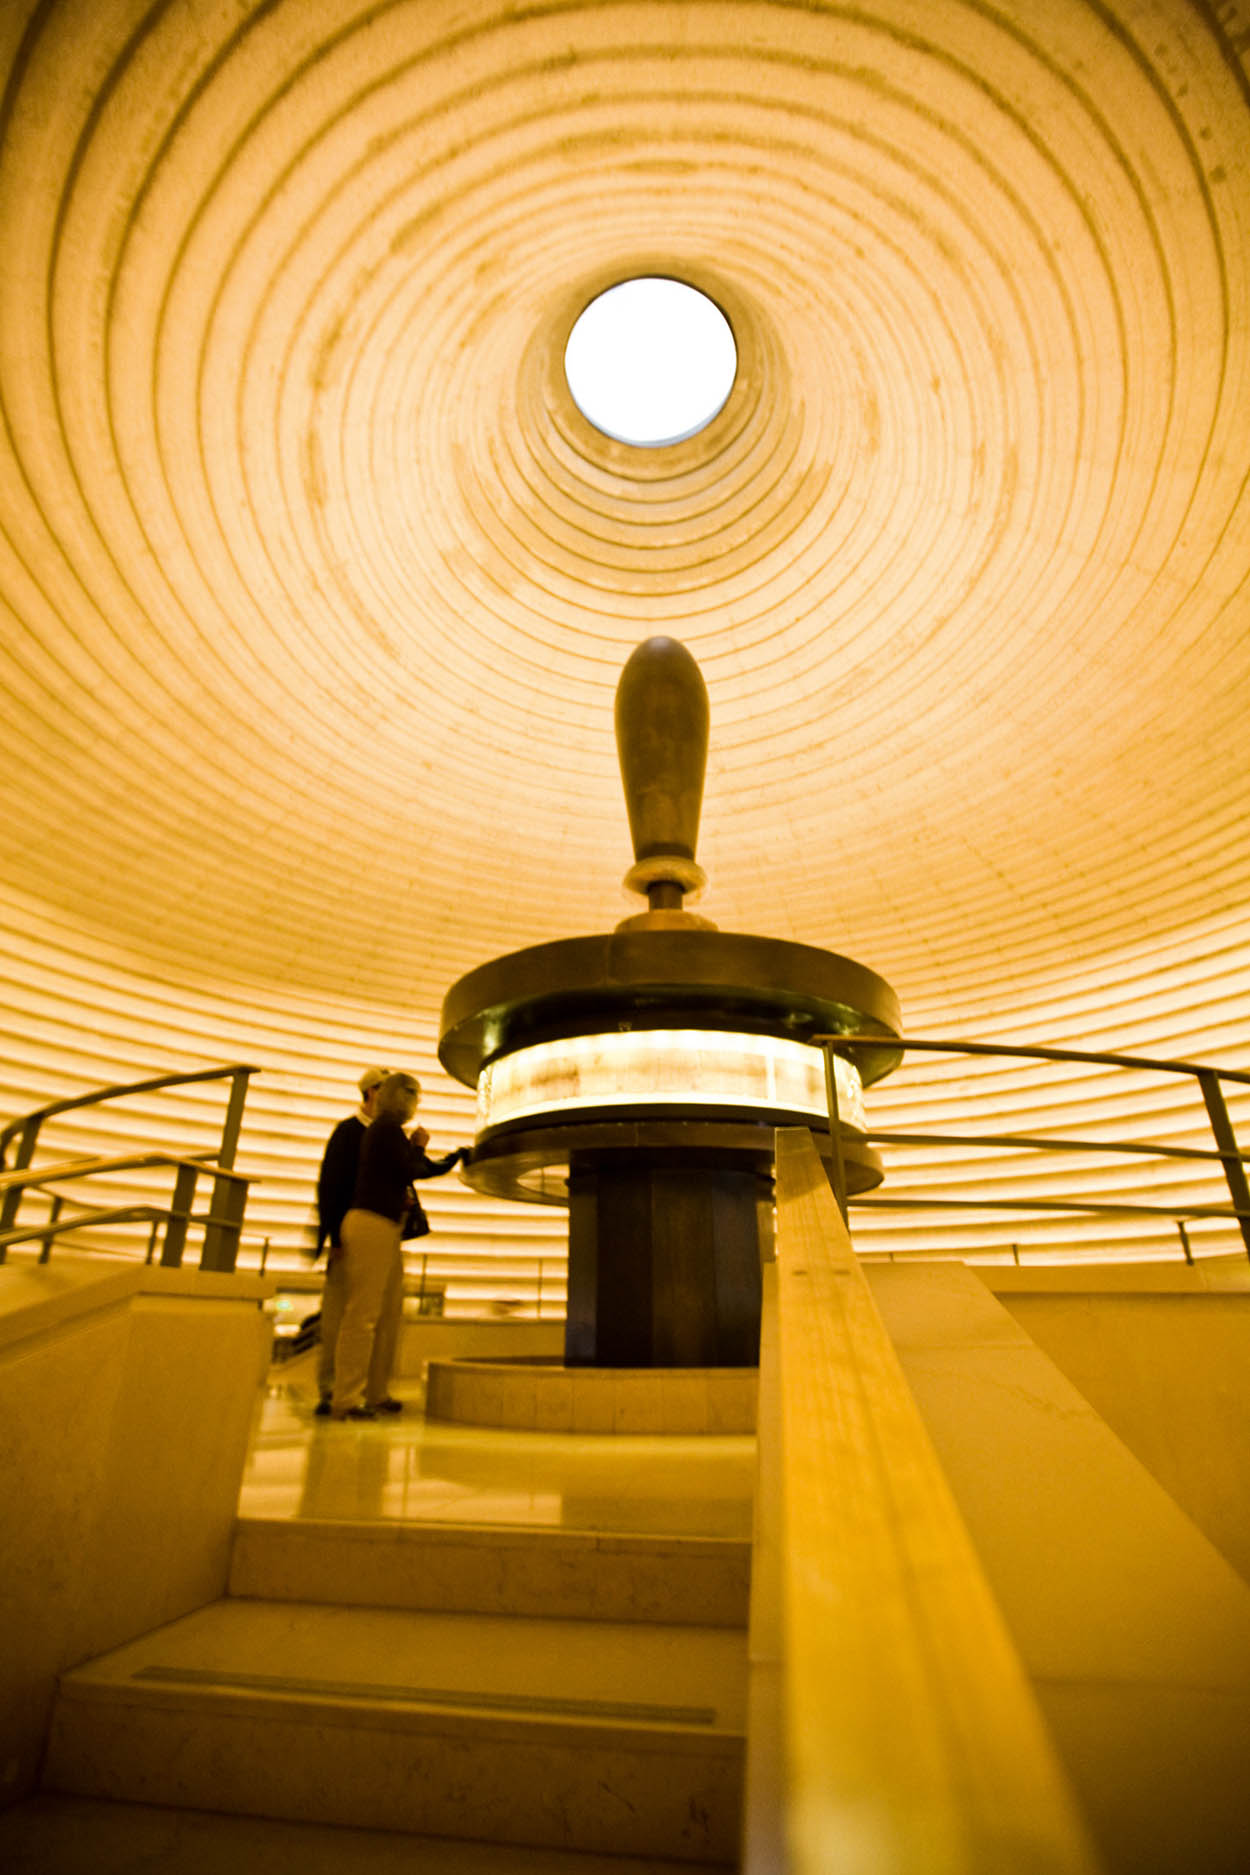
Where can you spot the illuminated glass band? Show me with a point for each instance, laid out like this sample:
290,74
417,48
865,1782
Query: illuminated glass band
695,1068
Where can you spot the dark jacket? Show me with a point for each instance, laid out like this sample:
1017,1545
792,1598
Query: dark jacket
336,1182
389,1162
420,1165
382,1175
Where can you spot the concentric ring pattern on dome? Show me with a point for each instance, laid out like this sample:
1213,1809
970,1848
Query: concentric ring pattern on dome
317,584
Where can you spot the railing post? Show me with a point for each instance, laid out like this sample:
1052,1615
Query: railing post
1226,1146
179,1217
225,1223
233,1123
835,1129
54,1211
228,1201
13,1196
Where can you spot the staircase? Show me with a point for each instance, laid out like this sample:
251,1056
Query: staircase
559,1689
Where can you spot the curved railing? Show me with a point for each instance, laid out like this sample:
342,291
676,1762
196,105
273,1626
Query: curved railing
227,1201
1224,1151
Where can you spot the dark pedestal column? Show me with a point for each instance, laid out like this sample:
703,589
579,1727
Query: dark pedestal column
664,1259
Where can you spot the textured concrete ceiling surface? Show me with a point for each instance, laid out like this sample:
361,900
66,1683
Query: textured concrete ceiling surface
316,585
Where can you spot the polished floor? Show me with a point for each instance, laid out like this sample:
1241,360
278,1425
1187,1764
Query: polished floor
405,1468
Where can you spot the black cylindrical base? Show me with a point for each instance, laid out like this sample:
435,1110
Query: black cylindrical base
664,1259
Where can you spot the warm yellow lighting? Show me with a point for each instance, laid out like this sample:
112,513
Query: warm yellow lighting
648,1068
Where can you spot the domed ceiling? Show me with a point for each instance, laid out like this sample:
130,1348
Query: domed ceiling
317,584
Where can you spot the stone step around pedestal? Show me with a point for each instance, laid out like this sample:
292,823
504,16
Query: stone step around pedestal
590,1736
546,1396
496,1569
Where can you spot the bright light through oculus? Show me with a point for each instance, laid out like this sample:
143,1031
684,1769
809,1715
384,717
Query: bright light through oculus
696,1068
650,362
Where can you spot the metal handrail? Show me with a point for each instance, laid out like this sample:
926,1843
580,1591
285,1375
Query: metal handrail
116,1092
178,1214
108,1214
132,1162
1173,1211
875,1138
1034,1052
1226,1150
229,1194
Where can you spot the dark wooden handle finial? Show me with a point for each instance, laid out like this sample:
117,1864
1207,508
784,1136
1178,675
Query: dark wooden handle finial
661,740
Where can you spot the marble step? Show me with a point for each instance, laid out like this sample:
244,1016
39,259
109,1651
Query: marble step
502,1569
603,1737
50,1835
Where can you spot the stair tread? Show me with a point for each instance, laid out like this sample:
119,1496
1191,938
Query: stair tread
88,1836
488,1569
526,1668
503,1536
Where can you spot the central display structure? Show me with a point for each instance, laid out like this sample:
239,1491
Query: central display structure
637,1077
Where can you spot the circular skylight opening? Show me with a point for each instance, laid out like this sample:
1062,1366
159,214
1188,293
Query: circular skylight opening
650,362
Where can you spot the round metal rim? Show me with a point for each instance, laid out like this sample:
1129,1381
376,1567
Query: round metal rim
499,1163
665,979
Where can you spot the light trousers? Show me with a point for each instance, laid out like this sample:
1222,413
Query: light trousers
373,1267
333,1301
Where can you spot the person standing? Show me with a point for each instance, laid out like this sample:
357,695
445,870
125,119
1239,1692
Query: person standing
336,1186
372,1256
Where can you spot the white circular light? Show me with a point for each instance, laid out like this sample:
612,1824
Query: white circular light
650,362
670,1068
